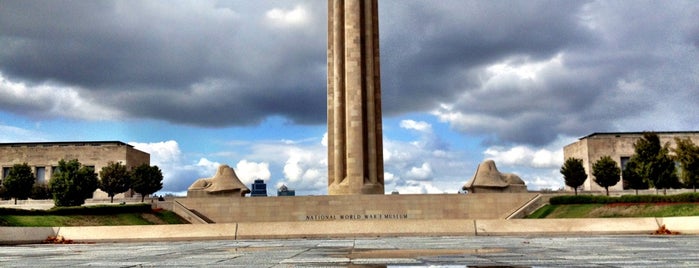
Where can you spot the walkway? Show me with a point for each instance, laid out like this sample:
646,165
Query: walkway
591,251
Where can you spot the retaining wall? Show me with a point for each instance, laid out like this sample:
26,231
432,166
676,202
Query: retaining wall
345,229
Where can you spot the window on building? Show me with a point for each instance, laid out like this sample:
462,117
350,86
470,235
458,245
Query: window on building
679,169
55,169
624,160
41,175
5,172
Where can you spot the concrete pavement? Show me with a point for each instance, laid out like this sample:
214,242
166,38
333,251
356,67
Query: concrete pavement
519,251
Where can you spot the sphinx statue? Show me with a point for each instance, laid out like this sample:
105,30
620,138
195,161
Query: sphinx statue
224,183
489,180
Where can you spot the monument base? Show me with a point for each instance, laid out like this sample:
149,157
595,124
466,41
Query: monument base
345,189
205,194
357,207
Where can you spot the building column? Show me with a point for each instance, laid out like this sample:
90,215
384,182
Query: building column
355,146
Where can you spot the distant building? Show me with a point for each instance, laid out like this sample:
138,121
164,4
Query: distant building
259,188
285,191
43,157
617,145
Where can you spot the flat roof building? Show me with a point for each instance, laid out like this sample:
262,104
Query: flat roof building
259,188
43,157
617,145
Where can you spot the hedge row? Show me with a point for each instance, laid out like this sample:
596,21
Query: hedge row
601,199
81,210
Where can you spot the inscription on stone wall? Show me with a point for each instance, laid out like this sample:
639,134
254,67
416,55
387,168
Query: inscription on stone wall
341,217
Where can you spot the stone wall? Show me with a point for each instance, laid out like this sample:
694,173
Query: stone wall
358,207
369,228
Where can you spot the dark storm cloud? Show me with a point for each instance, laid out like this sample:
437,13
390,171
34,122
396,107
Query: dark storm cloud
100,44
446,39
615,61
606,63
195,63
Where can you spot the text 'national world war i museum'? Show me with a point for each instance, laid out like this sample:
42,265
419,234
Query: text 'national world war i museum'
617,145
43,157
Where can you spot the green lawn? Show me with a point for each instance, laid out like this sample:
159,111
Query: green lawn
49,219
616,210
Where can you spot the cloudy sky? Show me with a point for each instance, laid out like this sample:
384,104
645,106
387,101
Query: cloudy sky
202,83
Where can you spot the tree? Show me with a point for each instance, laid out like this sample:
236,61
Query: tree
72,183
3,193
40,191
146,180
687,154
667,177
19,181
654,164
632,179
114,179
574,173
606,172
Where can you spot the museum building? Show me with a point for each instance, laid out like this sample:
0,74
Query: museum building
617,145
43,157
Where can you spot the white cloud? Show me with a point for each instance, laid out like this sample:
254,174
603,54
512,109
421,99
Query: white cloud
208,165
177,173
324,140
525,156
416,125
14,134
547,179
47,101
548,159
420,173
294,17
389,178
161,153
465,122
249,171
303,164
510,70
418,187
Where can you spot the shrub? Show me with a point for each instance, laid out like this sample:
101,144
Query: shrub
40,191
592,199
81,210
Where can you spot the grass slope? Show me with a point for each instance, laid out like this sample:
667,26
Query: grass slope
89,216
616,210
89,220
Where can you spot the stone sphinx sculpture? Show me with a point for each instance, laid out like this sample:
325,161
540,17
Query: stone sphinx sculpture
224,183
489,180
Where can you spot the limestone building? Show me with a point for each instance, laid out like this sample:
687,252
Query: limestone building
617,145
43,157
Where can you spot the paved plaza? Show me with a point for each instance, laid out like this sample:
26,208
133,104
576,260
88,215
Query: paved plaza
592,251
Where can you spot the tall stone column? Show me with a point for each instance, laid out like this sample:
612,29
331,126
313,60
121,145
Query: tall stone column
355,146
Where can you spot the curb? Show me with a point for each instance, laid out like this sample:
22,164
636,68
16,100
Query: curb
334,229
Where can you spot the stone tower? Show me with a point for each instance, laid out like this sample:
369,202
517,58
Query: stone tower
355,146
